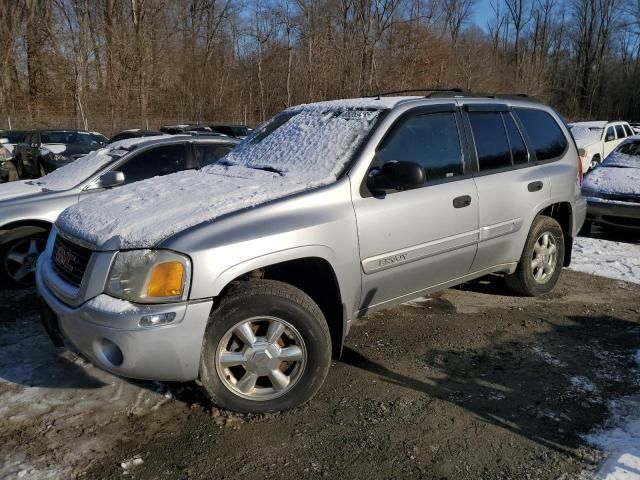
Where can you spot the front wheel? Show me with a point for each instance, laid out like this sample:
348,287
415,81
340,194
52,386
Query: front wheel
541,261
18,259
267,348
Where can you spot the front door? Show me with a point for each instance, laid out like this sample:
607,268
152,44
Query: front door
414,239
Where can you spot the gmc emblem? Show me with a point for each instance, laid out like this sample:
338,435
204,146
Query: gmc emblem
64,258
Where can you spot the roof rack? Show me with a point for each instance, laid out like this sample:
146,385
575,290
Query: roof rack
429,91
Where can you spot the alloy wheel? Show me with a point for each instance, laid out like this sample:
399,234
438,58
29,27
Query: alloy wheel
261,358
544,260
21,258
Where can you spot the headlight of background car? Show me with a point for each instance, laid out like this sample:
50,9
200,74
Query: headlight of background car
150,276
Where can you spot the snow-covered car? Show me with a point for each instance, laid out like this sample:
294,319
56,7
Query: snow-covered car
43,151
613,190
29,208
248,273
596,140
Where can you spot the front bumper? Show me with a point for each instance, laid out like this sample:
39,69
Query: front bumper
112,339
614,214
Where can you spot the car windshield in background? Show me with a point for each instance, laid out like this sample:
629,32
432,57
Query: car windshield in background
71,138
586,133
630,148
311,142
80,170
14,137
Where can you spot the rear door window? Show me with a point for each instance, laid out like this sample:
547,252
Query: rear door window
627,129
620,131
491,141
546,136
519,151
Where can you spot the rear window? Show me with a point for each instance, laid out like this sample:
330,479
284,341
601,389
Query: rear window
545,134
628,130
620,131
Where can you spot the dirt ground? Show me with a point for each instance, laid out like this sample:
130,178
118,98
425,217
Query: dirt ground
467,384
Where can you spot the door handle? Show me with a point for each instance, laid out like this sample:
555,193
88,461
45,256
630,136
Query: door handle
461,202
535,186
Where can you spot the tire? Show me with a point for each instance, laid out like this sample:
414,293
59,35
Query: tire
261,305
41,169
524,281
13,174
585,231
18,259
20,168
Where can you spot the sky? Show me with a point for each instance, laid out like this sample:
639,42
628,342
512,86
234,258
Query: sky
481,13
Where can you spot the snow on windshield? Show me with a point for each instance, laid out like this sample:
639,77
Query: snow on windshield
78,171
586,134
312,143
618,174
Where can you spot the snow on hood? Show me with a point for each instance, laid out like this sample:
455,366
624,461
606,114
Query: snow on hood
618,174
584,136
308,147
74,173
17,189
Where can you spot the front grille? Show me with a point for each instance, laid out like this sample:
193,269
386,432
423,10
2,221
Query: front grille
70,260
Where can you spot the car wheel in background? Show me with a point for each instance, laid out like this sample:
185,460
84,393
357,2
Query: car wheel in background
18,259
41,169
541,261
13,173
267,348
20,168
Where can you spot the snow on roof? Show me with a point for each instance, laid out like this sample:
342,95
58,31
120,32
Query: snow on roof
585,136
79,170
592,124
307,150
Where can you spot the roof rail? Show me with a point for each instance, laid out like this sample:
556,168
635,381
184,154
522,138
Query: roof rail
428,91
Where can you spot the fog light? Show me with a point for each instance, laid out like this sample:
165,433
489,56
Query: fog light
157,319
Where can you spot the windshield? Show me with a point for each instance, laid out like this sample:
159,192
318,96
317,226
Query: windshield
71,137
80,170
630,148
312,142
586,133
13,137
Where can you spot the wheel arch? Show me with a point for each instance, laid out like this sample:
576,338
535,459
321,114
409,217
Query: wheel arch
562,212
22,228
314,274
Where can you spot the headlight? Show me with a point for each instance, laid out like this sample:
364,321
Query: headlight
60,158
150,276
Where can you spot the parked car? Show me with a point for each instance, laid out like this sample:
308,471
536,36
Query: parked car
247,274
7,169
596,140
635,127
613,190
134,133
182,128
236,131
12,137
43,151
29,208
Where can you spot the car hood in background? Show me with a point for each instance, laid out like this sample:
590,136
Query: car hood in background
18,189
618,176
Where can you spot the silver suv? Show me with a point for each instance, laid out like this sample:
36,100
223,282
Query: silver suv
247,274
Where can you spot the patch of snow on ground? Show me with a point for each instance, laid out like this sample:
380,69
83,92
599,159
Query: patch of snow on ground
605,258
621,440
548,358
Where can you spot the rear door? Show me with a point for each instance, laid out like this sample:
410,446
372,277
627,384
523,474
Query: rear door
413,239
511,182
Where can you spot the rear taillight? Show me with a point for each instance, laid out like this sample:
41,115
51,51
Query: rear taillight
581,154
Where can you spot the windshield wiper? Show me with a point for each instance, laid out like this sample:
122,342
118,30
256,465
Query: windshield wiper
269,169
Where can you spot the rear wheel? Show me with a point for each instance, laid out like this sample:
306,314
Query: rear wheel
541,261
18,259
267,348
595,161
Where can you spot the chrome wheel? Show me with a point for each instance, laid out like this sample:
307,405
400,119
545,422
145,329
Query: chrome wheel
261,358
544,260
20,259
594,164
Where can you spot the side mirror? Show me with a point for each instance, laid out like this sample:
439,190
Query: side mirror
110,179
396,175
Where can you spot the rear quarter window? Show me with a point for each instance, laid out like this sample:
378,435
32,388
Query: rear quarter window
543,131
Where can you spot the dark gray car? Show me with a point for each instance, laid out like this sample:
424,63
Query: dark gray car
29,208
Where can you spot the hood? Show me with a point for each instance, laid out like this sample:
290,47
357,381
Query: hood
586,142
303,148
18,189
585,136
609,180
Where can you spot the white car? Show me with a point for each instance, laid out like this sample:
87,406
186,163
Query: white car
596,140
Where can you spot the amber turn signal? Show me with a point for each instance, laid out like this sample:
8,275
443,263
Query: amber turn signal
167,280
